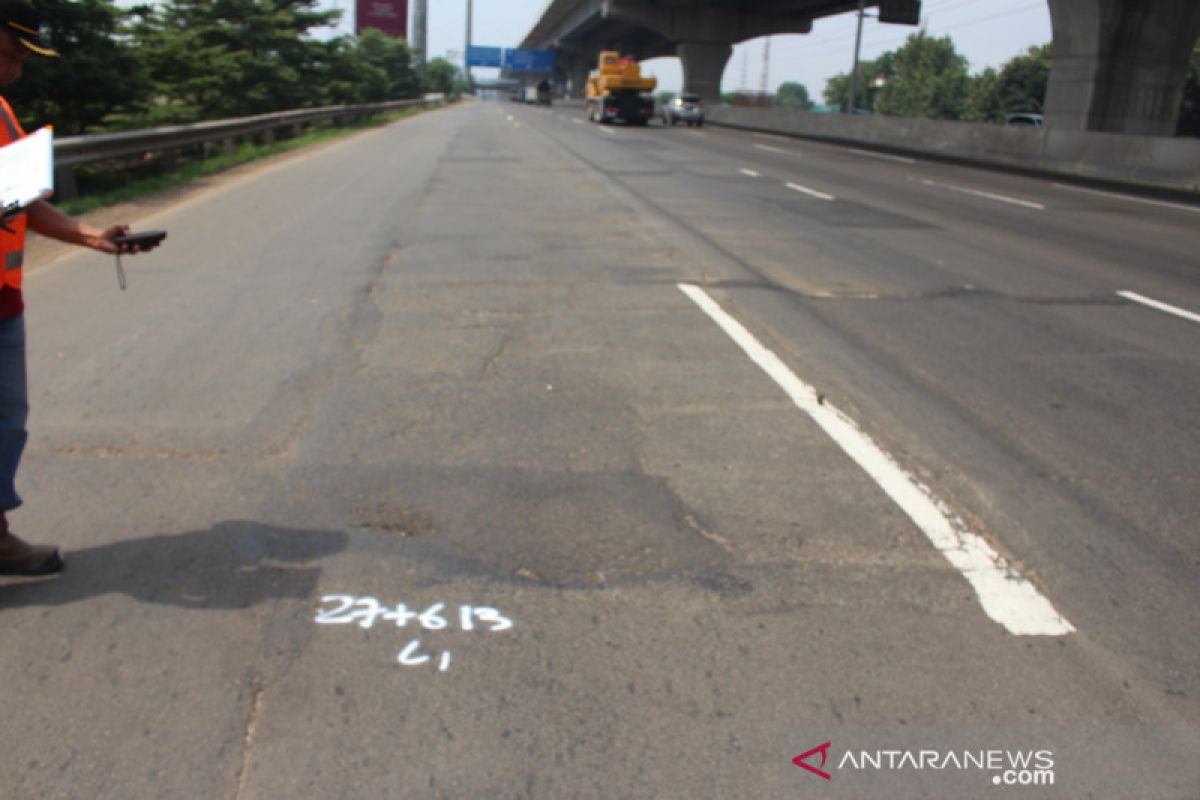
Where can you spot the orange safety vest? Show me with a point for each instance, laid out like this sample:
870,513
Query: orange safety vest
12,241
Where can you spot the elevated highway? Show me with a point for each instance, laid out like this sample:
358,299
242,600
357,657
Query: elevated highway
1119,65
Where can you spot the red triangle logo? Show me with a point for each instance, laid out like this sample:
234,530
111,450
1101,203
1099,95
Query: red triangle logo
823,749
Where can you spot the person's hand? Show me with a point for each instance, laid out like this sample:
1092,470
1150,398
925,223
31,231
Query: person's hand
107,241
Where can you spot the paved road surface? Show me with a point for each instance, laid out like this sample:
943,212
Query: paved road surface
408,469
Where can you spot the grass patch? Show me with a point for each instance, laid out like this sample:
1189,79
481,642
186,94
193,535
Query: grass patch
100,187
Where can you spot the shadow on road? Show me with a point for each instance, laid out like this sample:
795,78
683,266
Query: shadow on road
236,564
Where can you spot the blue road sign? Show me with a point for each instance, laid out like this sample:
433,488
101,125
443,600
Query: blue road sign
529,60
483,56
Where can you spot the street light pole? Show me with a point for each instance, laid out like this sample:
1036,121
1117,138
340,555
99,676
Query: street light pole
854,68
420,29
467,51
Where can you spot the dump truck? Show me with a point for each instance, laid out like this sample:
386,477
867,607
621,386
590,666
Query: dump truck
617,90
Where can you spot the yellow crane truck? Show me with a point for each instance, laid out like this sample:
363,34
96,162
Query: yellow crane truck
618,91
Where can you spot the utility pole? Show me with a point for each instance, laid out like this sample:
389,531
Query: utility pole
762,84
854,69
467,51
420,32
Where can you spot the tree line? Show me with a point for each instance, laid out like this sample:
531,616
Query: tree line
183,61
928,78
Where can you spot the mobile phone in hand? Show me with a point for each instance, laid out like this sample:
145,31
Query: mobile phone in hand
143,240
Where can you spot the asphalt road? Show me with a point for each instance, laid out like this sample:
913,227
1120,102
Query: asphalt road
493,454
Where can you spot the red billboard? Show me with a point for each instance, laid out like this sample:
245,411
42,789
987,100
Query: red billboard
389,16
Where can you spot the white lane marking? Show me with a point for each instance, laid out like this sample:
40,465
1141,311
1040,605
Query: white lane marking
1161,306
1006,596
750,172
884,156
987,195
1130,198
810,192
577,121
509,117
609,131
770,149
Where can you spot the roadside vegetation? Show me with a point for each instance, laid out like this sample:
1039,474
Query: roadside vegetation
184,61
927,77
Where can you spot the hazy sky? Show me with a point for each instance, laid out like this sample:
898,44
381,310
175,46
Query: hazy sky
987,32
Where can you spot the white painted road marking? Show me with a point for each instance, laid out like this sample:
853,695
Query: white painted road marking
1146,301
770,149
810,192
988,195
750,172
1006,596
884,156
577,121
609,131
1130,198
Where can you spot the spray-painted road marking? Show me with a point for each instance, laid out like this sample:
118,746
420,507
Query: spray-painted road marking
810,192
1161,306
347,609
1130,198
750,172
770,149
884,156
987,195
1006,596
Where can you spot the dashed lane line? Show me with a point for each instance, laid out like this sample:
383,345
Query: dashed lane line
1005,595
883,156
1000,198
810,192
1161,306
771,149
749,172
1130,198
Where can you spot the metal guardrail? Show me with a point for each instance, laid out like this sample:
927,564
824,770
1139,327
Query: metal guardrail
71,151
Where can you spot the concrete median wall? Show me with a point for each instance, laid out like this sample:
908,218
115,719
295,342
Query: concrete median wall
1143,161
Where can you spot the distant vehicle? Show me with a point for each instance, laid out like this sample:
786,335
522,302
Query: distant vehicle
1025,119
543,93
687,108
617,90
530,95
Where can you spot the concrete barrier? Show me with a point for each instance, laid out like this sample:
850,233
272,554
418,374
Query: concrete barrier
1141,161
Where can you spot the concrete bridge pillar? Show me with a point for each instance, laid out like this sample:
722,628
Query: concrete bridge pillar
703,64
1120,65
577,73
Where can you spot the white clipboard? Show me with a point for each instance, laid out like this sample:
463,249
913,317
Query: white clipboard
27,170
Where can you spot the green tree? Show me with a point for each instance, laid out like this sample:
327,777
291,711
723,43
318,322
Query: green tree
929,79
226,58
1021,85
793,95
1189,111
872,77
983,101
442,77
98,74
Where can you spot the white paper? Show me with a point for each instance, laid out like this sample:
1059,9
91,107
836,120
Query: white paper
27,168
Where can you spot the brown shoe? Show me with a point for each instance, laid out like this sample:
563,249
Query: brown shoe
19,558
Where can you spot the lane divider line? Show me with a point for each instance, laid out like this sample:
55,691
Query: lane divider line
1161,306
1005,595
750,172
609,131
1130,198
770,149
988,195
810,192
884,156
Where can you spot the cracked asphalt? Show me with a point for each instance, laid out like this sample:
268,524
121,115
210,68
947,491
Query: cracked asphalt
404,469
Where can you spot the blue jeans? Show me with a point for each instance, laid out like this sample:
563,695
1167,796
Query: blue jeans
14,407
